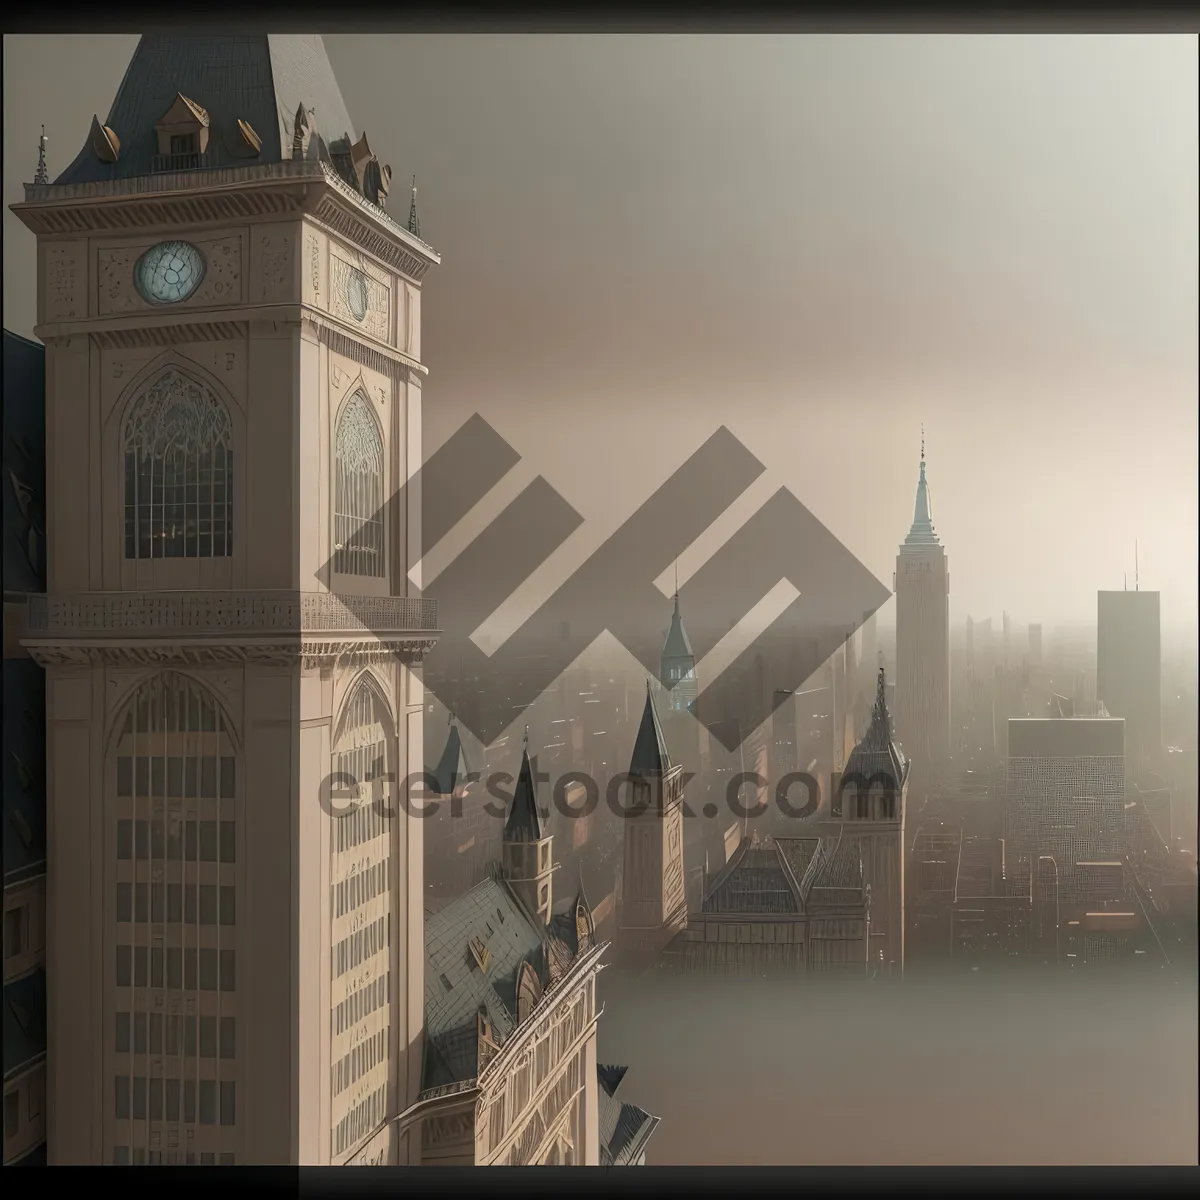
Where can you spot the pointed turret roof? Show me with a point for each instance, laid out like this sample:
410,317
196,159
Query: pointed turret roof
262,80
677,644
921,536
524,823
878,753
452,766
650,754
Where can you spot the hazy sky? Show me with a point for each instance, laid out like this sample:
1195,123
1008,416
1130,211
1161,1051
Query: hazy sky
818,241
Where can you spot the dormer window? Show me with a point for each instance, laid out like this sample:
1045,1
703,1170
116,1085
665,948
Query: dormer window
182,136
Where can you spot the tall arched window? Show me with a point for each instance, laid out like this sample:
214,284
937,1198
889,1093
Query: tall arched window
178,449
361,887
176,1037
358,492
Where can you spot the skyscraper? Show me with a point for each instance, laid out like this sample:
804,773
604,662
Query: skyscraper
232,328
923,639
1066,799
1129,670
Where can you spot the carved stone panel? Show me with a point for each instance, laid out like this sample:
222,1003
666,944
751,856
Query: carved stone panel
117,292
65,275
360,295
271,262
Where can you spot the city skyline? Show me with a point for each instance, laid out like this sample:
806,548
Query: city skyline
988,309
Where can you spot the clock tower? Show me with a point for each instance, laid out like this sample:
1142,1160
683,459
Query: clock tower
232,643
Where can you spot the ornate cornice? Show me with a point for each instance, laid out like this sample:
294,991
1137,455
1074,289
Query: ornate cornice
308,629
169,335
227,195
389,361
303,654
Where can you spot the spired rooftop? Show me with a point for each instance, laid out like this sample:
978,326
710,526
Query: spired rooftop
244,94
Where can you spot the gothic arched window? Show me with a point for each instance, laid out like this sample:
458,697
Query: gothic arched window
178,448
175,816
361,887
358,492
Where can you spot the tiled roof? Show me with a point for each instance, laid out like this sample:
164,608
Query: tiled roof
456,990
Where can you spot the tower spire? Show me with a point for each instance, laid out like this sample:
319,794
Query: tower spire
414,226
921,534
41,175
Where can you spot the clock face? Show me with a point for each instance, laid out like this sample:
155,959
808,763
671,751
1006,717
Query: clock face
356,294
169,272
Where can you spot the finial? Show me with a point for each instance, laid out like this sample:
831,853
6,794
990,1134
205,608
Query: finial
677,579
41,175
525,742
922,441
647,687
414,226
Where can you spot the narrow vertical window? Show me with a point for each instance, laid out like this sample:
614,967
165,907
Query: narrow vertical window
178,472
358,492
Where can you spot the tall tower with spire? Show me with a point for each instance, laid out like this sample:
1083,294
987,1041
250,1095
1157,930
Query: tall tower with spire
870,805
653,898
527,845
233,397
923,639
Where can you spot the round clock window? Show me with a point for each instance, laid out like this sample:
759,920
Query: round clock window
356,295
169,272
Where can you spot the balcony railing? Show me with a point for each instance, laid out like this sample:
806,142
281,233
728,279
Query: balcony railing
230,614
192,161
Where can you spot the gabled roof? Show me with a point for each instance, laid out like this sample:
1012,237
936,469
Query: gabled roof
784,876
261,79
650,753
624,1128
524,822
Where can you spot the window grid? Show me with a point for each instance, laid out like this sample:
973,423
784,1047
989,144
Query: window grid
358,492
175,907
178,472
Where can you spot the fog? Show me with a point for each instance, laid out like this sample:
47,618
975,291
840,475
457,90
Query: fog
974,1071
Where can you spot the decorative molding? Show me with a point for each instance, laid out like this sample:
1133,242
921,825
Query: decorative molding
393,364
235,195
117,293
316,630
170,335
309,656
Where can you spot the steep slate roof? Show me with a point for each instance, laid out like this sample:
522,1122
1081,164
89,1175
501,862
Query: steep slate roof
456,990
260,79
786,875
491,913
650,753
624,1128
878,754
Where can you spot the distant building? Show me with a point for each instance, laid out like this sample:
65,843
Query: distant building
1065,798
624,1128
1129,670
653,893
24,752
923,639
1035,644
